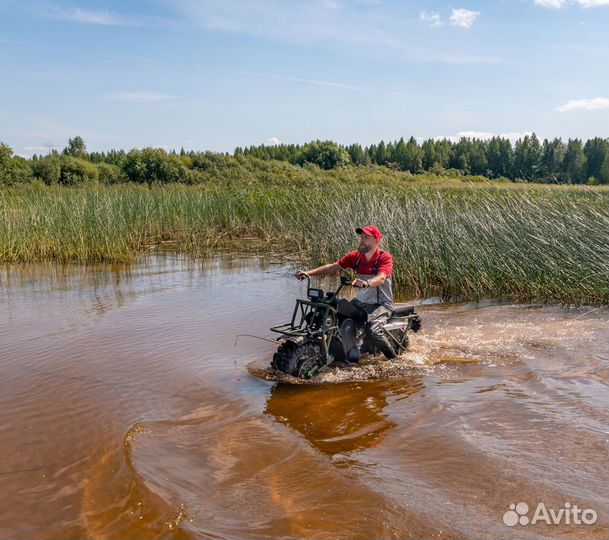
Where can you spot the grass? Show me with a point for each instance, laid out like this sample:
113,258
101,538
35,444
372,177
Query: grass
473,240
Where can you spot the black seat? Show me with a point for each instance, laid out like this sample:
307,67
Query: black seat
402,310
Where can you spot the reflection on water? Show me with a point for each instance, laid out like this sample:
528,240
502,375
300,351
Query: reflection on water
127,411
341,419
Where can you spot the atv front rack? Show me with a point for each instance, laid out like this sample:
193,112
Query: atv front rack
312,319
309,319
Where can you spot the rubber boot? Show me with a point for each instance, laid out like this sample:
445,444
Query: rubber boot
347,334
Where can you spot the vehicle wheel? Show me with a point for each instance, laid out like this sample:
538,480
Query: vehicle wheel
284,359
298,359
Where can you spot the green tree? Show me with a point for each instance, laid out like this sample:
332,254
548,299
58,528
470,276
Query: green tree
76,148
478,161
357,155
595,150
443,152
400,154
325,154
76,171
6,156
116,157
380,157
553,154
603,173
428,149
390,155
371,152
47,169
109,174
527,157
574,163
13,169
414,156
499,156
461,155
153,165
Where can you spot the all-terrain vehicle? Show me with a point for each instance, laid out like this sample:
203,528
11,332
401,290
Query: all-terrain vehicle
318,333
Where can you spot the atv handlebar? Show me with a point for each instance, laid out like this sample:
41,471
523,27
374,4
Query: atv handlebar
343,280
317,295
303,276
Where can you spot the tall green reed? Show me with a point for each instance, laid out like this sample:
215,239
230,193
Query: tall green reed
474,241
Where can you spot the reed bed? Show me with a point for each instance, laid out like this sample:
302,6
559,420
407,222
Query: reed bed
545,243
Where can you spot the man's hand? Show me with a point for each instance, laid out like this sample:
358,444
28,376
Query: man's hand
361,283
301,275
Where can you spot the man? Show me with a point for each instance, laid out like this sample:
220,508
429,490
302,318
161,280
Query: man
374,268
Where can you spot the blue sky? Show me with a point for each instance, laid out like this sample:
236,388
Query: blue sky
215,74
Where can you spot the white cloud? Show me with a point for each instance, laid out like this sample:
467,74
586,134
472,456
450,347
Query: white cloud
140,97
105,17
273,141
584,105
486,135
362,28
95,17
92,16
303,80
593,3
554,4
557,4
433,19
463,18
458,58
300,21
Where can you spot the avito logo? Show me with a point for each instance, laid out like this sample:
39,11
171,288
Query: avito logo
569,514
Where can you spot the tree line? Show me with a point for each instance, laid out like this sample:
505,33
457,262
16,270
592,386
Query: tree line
528,160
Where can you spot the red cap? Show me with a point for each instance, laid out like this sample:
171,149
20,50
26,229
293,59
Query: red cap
370,230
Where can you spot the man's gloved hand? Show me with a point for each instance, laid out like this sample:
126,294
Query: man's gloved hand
300,274
361,283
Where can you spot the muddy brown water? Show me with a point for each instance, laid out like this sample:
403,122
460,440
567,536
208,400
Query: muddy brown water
128,411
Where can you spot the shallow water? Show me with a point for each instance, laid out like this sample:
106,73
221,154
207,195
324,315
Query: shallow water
129,410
